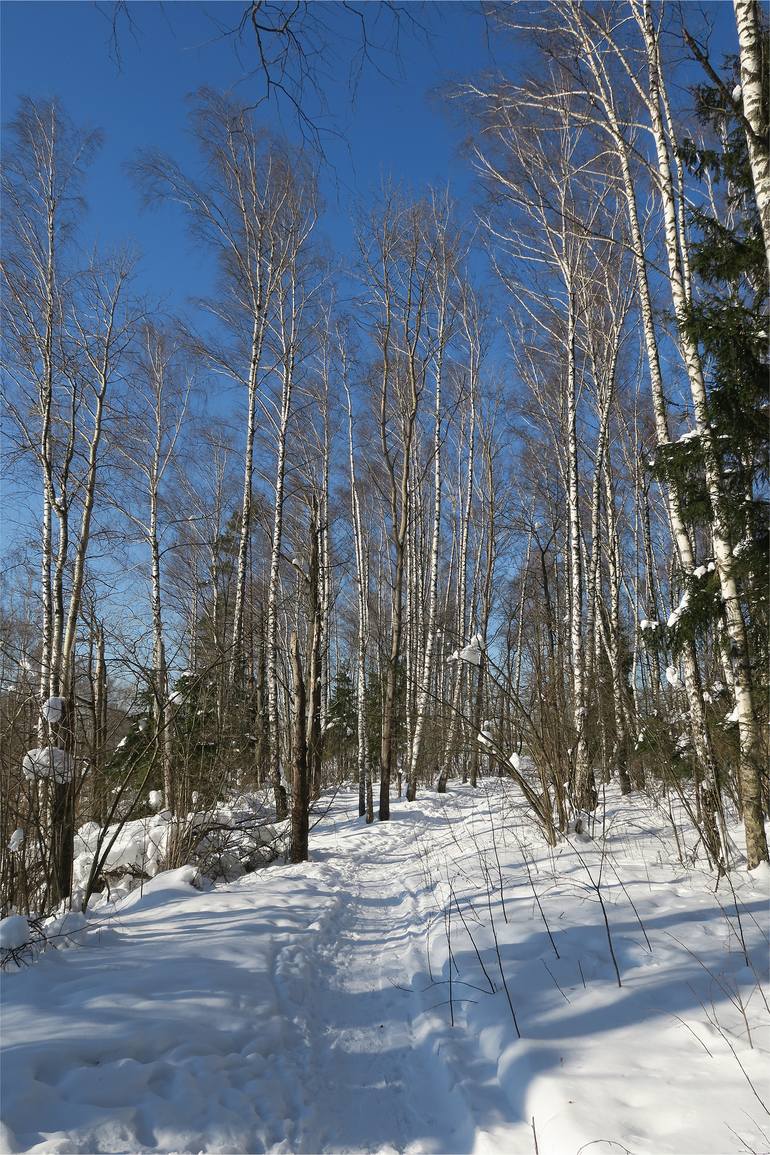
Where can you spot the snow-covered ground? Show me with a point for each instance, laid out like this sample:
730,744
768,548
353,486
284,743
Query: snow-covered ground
309,1008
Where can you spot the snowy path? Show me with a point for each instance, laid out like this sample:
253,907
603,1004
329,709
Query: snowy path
270,1014
305,1008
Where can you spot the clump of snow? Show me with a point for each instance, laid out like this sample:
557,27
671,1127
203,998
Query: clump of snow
672,675
515,760
53,709
732,717
691,435
14,932
648,625
176,697
736,94
16,841
137,852
676,614
473,653
48,762
485,738
155,799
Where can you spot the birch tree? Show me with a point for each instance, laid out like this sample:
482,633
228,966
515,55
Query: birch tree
753,41
148,440
440,325
398,268
237,208
69,332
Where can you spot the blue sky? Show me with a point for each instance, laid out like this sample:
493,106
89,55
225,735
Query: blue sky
392,127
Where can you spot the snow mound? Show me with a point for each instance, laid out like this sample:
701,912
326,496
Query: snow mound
235,836
67,927
14,932
184,882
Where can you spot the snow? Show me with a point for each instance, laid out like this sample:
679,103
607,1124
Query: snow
53,709
155,799
672,675
65,929
737,93
473,653
309,1008
675,615
485,736
16,841
231,838
14,932
47,762
139,847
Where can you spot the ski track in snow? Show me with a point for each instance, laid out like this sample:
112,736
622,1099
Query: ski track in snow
304,1009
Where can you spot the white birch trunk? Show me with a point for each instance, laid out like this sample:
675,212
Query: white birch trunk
365,799
426,672
460,677
748,22
272,598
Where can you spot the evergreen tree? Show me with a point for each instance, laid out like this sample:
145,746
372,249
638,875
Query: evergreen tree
729,320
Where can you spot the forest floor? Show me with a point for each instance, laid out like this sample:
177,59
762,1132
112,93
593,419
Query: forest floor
309,1008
